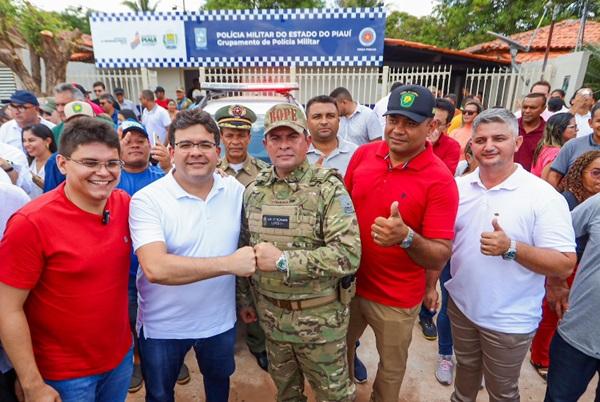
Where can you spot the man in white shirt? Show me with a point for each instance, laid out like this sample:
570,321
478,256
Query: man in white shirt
155,118
381,105
512,231
14,162
185,230
25,109
582,103
327,149
358,123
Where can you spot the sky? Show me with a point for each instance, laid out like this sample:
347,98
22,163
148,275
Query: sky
417,8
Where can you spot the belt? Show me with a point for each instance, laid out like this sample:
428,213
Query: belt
302,304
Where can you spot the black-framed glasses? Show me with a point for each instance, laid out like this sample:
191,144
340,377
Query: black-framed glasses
93,164
20,107
469,112
187,146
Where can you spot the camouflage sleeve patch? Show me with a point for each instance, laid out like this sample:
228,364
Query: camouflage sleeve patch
346,204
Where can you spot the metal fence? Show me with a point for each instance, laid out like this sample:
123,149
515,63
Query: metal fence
498,87
132,80
501,86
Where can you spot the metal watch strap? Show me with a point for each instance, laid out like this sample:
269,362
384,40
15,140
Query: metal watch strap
410,235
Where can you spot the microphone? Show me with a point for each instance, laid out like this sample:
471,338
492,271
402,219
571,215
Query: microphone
105,217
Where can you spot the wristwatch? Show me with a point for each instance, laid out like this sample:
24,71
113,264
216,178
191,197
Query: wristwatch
282,263
10,167
407,242
511,253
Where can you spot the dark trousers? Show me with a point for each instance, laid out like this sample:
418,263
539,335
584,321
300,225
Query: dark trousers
162,359
570,372
7,386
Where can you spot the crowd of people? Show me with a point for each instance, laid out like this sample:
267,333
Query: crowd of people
131,235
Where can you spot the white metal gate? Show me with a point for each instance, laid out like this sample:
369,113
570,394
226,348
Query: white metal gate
132,80
502,86
436,78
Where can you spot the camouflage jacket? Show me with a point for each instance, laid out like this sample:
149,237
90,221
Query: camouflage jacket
247,173
310,216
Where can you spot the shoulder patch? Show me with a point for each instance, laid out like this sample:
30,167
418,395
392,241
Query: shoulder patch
346,203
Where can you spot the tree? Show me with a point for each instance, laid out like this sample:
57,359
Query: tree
248,4
45,34
419,29
462,23
359,3
140,5
76,17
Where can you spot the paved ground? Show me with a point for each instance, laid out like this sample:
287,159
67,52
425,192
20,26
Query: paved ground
251,384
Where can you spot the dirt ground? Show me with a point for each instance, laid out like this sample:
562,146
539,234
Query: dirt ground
250,384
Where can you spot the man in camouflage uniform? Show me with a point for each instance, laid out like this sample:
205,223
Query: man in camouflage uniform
235,122
301,222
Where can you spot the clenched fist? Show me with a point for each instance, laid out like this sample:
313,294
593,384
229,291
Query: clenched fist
243,261
267,256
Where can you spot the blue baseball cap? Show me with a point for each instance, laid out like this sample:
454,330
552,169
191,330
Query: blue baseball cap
22,97
131,125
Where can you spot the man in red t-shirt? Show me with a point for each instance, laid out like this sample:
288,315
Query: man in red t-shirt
531,128
406,202
64,266
444,147
161,99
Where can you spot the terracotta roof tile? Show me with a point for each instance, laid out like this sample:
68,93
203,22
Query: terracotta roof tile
564,37
451,52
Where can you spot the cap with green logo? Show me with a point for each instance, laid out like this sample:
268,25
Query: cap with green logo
235,116
78,108
285,115
412,101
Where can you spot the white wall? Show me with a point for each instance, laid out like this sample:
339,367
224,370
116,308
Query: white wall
570,67
170,79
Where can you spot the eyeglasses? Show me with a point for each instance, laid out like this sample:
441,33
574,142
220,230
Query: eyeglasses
20,108
203,146
572,126
469,112
113,164
595,173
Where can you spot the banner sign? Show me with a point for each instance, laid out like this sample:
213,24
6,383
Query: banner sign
239,38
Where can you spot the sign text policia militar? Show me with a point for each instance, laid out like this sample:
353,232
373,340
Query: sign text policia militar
239,38
256,38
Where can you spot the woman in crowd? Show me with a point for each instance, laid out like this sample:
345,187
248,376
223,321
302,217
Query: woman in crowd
580,183
172,109
39,144
126,114
463,134
560,128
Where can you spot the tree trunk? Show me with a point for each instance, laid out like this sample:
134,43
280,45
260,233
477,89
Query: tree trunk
12,60
56,52
36,68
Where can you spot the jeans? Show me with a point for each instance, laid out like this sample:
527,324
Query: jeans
162,359
443,321
7,386
111,386
133,308
570,372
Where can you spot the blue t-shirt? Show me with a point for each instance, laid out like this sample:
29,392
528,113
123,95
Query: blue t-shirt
52,176
131,183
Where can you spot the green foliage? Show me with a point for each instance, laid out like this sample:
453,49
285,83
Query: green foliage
245,4
406,26
359,3
459,24
32,20
76,17
140,5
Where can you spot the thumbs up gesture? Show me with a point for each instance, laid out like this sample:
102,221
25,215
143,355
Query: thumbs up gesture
389,231
494,243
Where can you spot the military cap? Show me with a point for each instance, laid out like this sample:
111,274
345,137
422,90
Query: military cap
235,116
285,115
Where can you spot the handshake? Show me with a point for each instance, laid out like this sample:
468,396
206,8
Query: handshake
246,260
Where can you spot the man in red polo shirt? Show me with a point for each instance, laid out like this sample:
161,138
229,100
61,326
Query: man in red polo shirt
444,147
531,128
406,202
64,267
